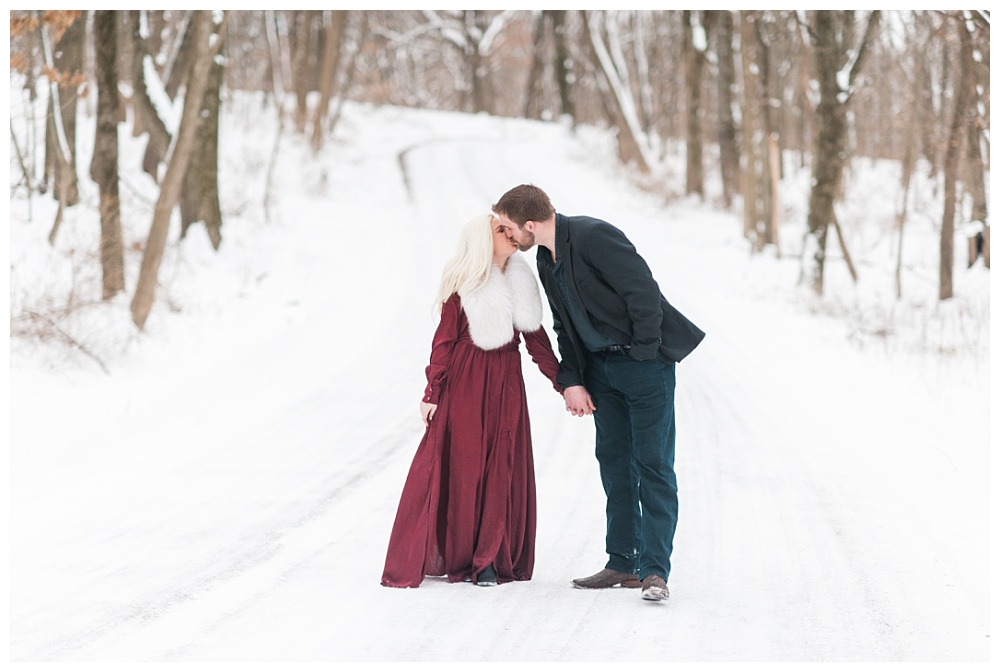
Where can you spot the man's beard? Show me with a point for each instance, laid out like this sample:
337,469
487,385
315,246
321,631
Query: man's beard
528,242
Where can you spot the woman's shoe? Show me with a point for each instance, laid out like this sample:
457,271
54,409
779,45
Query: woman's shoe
487,577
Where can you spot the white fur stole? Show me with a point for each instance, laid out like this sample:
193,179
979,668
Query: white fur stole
508,300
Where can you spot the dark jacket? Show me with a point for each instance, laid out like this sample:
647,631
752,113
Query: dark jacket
617,290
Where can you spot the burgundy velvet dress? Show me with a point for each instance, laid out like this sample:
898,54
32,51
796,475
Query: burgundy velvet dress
469,497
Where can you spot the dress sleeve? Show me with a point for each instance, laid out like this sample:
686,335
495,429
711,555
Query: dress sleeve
441,349
540,349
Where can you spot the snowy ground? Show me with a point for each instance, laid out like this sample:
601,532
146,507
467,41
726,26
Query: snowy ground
224,491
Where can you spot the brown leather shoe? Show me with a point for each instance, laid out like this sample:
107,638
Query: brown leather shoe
608,578
654,588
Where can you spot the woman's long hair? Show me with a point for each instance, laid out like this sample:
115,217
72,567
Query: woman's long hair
470,267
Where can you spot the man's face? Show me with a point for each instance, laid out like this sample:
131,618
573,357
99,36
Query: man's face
524,238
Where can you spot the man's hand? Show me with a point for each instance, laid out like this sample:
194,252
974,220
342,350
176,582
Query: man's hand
578,401
427,411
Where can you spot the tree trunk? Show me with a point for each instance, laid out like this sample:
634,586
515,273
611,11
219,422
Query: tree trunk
929,144
640,26
986,246
334,37
832,46
177,165
805,121
534,95
146,116
752,156
975,179
909,163
353,49
767,130
59,154
617,98
68,58
774,179
693,61
156,21
562,64
831,132
199,199
180,61
104,165
475,25
51,158
729,151
952,161
300,66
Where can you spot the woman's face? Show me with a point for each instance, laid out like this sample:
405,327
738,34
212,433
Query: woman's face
503,246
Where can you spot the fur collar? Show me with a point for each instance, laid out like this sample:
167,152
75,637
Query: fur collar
508,300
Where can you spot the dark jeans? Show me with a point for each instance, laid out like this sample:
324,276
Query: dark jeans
635,450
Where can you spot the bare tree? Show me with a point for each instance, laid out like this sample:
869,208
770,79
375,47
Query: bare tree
562,63
104,165
335,26
65,65
179,60
178,159
473,35
548,86
910,151
753,136
833,48
303,36
729,151
770,153
534,97
618,98
805,119
278,86
694,60
979,73
953,154
199,198
147,117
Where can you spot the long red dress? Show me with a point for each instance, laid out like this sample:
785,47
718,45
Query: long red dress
469,497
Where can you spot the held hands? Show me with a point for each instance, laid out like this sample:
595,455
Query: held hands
427,411
578,401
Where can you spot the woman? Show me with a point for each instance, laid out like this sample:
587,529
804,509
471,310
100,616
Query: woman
468,506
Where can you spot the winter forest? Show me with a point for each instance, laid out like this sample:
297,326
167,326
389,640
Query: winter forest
223,223
736,90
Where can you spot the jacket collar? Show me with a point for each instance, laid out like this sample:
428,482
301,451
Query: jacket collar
561,243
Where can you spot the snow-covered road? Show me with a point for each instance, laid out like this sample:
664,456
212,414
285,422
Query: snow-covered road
227,492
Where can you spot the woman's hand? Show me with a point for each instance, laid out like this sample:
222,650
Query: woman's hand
578,401
427,411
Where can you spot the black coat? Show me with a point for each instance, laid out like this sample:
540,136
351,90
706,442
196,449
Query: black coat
617,290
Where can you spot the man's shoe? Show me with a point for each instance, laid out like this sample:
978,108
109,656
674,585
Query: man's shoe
608,578
654,588
487,577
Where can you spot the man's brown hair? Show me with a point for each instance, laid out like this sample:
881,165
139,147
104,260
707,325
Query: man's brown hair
523,203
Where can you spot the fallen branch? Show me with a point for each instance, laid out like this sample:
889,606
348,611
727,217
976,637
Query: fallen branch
843,247
69,339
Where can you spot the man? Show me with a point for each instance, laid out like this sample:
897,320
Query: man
619,340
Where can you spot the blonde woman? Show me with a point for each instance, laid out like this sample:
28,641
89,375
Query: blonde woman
467,510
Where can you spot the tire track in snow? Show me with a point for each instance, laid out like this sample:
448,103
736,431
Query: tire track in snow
769,507
172,624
